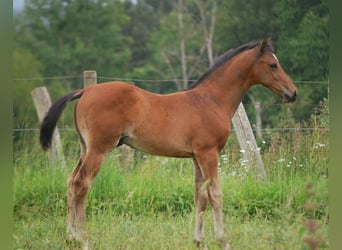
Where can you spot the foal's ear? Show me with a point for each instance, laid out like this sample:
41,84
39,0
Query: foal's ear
266,43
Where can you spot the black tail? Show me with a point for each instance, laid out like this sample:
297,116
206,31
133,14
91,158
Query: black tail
50,120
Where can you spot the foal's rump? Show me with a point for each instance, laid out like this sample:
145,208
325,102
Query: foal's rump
90,110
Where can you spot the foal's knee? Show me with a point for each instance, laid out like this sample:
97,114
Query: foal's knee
215,193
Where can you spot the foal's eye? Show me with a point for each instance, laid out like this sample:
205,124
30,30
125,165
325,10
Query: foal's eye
273,65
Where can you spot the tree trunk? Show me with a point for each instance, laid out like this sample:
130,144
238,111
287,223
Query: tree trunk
208,34
182,44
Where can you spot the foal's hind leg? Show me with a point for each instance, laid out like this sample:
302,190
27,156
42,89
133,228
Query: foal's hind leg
71,196
79,184
71,203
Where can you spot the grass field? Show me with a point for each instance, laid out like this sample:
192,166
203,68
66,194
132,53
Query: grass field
150,205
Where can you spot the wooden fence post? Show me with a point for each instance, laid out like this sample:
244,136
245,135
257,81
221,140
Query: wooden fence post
42,103
247,141
89,78
126,154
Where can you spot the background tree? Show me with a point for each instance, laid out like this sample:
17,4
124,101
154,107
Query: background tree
176,46
25,65
69,36
240,21
149,40
208,20
143,21
299,31
304,42
179,44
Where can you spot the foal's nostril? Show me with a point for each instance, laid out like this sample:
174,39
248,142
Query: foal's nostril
289,97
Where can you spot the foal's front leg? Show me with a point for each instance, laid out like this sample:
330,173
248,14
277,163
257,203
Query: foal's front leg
201,202
210,188
215,199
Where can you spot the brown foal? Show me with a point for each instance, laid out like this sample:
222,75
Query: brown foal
193,123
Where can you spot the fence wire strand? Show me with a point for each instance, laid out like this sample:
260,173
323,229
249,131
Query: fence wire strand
135,79
15,130
232,129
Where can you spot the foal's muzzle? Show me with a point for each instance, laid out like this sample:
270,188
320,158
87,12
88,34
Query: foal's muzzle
290,97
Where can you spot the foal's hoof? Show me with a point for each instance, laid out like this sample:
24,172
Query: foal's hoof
223,241
226,246
201,245
74,243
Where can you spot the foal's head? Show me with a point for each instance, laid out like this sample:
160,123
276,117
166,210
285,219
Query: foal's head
268,72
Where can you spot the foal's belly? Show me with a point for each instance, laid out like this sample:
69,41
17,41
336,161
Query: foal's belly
161,148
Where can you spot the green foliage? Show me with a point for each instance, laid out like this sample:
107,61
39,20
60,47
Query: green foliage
141,40
299,30
304,39
240,21
150,196
69,37
143,22
147,190
25,65
165,46
304,49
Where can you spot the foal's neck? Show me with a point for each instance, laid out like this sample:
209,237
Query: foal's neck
229,83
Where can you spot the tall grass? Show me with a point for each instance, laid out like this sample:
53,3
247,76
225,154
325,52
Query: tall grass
151,205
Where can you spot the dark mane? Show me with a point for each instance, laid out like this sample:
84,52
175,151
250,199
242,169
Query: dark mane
225,58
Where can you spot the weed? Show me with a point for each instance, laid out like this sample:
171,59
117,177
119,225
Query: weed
312,237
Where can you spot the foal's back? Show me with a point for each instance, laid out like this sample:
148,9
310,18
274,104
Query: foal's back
114,113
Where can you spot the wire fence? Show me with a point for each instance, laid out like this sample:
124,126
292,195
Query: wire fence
154,81
15,130
134,79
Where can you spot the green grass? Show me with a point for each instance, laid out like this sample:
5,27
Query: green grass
161,232
151,207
